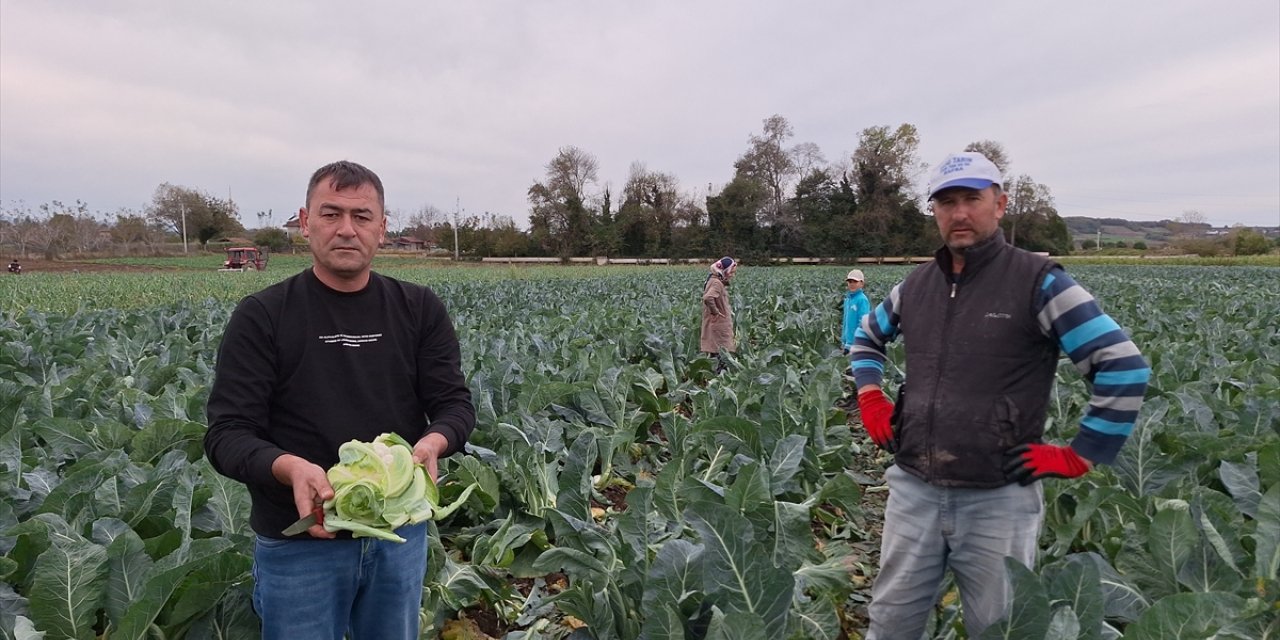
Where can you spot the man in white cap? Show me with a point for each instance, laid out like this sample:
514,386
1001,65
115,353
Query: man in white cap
982,325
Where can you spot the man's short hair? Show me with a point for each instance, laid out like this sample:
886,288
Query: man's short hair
345,174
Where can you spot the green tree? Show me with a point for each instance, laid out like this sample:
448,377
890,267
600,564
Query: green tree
604,228
1249,242
646,220
826,209
1031,220
772,163
506,237
1204,247
732,215
885,166
689,232
206,216
272,238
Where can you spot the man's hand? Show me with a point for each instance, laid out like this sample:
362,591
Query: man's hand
876,411
427,452
1030,462
310,487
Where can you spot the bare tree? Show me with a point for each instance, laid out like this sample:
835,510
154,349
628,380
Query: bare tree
426,223
807,157
571,171
25,232
994,151
132,228
1191,216
560,217
770,162
1189,223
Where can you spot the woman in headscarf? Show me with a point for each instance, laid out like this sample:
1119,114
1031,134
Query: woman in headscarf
717,315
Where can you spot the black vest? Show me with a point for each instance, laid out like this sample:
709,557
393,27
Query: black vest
979,371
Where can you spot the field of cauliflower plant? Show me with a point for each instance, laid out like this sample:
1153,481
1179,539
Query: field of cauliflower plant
618,490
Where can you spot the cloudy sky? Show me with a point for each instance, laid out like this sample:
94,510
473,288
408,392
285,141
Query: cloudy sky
1138,110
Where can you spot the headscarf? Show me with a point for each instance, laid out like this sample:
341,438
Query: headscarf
722,268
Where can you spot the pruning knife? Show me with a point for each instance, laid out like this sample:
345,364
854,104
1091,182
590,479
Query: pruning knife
315,517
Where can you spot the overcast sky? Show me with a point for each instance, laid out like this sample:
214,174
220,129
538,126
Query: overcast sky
1138,110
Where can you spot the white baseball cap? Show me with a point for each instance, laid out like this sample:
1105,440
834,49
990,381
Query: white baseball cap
966,169
856,274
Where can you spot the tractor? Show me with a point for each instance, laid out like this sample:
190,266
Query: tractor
245,259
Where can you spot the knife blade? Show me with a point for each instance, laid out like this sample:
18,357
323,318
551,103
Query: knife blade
315,517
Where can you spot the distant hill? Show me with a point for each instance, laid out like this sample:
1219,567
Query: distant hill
1153,233
1128,231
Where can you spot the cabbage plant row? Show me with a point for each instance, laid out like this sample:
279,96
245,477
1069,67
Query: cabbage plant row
619,490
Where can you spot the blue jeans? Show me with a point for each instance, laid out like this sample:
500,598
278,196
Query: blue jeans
929,529
365,588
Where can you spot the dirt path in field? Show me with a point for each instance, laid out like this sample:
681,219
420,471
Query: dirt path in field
33,265
868,467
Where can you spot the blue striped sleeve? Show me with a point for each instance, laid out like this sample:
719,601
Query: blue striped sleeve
878,329
1104,355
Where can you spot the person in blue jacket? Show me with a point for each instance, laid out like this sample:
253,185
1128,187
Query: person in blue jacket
856,305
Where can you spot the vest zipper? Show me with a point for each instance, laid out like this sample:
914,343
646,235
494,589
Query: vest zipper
942,366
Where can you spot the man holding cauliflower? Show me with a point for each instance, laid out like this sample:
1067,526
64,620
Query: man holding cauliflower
335,354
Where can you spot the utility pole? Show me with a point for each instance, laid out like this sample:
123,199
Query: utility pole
183,207
1098,243
456,204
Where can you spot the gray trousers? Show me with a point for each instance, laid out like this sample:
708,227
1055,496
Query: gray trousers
929,529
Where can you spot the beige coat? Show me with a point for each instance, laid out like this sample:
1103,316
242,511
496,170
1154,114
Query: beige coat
717,318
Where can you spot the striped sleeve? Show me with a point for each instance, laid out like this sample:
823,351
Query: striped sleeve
1104,355
870,341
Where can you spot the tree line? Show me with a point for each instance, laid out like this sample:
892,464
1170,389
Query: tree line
784,200
56,229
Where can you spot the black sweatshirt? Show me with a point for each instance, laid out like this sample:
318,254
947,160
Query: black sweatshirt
303,369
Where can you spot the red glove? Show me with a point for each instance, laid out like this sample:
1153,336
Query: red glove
876,411
1031,462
